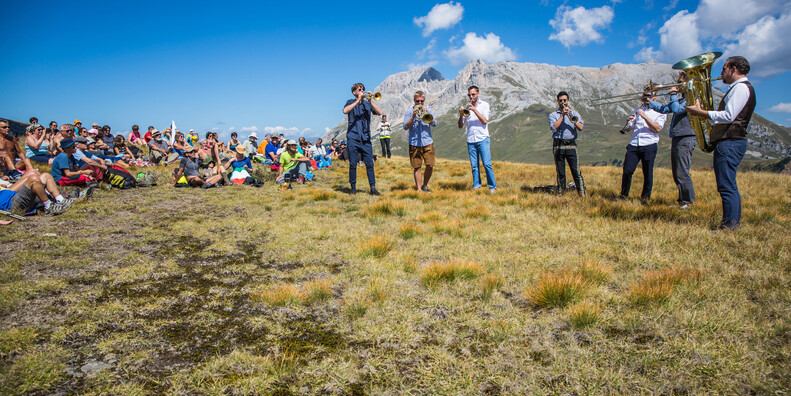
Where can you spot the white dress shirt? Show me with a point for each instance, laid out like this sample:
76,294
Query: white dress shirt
734,103
642,135
476,130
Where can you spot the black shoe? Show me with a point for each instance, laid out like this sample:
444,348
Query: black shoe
374,192
353,191
206,185
74,194
425,189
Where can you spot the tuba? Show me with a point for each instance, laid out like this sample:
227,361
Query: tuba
698,88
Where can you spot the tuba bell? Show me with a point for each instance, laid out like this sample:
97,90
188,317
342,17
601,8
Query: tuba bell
698,88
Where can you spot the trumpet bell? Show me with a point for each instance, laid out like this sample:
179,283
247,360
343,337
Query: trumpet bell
377,96
427,118
465,113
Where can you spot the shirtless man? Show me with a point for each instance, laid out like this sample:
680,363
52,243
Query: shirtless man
9,151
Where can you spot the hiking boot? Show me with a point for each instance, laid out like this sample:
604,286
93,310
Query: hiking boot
84,195
67,202
374,192
56,209
206,185
353,191
425,189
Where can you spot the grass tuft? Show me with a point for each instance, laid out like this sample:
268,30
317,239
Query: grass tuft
433,215
594,272
583,314
323,195
454,185
317,290
409,230
377,290
386,208
478,212
357,306
278,295
557,289
657,286
490,283
377,246
450,270
448,227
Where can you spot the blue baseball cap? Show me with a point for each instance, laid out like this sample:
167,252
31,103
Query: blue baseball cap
343,142
66,143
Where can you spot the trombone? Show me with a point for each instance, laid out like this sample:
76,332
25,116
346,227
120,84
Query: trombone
375,96
650,87
424,115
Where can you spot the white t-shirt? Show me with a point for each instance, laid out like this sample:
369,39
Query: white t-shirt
476,130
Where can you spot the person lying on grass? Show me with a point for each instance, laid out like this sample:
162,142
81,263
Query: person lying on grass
292,164
31,190
189,167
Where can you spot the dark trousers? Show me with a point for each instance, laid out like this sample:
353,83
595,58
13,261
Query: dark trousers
358,150
681,150
385,147
564,153
646,156
728,155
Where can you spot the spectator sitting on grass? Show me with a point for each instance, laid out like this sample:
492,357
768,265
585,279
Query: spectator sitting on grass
9,152
271,152
87,161
107,138
292,164
94,151
65,171
38,144
190,168
251,144
30,190
179,144
158,147
319,153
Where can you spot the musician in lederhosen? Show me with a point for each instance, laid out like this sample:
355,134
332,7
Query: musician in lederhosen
565,123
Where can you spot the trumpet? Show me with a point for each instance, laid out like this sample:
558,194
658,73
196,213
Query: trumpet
573,119
375,96
424,115
466,111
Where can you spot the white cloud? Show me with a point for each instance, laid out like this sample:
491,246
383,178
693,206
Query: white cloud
580,26
765,44
288,131
670,5
781,108
252,128
754,29
414,65
488,48
441,16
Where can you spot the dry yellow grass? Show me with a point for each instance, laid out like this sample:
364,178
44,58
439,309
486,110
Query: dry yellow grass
584,314
478,212
490,283
433,215
377,290
377,246
557,289
594,271
281,294
657,286
409,230
452,227
386,208
447,271
317,290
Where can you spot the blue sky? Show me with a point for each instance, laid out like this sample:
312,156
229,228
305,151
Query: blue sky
288,66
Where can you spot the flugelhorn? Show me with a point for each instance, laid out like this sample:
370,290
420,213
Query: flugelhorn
424,115
374,96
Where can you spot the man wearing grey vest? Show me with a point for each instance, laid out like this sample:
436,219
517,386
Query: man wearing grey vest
729,135
683,142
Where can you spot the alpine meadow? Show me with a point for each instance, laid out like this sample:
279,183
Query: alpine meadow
313,291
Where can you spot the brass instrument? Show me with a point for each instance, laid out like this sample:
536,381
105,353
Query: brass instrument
697,88
466,111
424,115
573,119
375,96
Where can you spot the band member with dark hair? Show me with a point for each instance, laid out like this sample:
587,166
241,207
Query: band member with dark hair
478,143
729,135
683,142
645,125
358,134
384,136
565,124
421,145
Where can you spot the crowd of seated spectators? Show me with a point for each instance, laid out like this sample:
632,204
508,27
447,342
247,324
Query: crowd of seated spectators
81,157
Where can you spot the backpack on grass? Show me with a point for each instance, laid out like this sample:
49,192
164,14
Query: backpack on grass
120,178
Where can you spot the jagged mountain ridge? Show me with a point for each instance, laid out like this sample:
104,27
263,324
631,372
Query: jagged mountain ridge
521,95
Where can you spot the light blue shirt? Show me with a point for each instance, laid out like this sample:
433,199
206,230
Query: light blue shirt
420,132
566,130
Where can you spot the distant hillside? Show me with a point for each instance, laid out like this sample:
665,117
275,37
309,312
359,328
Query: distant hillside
522,94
